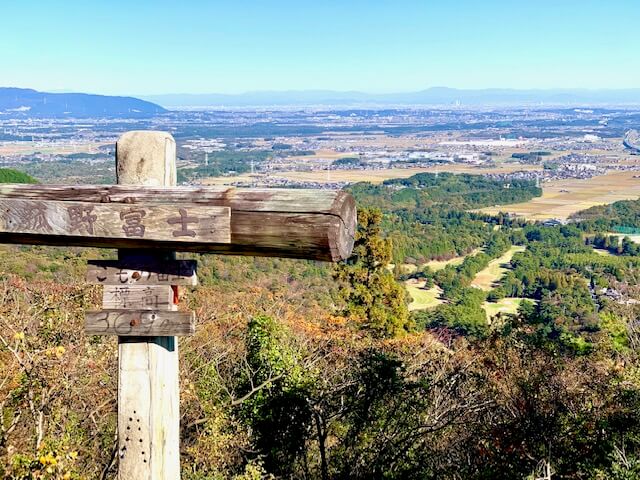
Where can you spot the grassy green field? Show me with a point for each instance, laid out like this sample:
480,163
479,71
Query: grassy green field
505,305
408,268
423,299
487,278
436,265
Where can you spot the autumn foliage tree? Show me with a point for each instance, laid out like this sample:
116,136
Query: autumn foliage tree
373,298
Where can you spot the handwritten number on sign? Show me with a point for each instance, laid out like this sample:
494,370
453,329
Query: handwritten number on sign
104,317
147,322
122,327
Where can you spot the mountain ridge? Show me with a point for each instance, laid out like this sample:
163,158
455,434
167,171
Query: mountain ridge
27,102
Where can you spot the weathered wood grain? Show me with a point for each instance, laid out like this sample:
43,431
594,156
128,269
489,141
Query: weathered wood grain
148,364
312,224
139,223
137,297
146,158
134,414
284,200
116,272
139,323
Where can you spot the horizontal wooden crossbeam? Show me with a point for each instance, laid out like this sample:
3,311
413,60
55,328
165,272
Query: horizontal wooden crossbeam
137,224
312,224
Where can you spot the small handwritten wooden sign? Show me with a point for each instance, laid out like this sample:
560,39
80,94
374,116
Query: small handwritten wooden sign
139,323
117,272
169,223
138,297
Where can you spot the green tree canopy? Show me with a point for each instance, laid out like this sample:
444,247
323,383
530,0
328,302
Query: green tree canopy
373,298
10,175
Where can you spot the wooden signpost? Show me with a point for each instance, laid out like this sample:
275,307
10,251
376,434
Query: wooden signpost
148,218
310,224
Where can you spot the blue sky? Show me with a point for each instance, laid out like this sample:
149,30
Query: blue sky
189,46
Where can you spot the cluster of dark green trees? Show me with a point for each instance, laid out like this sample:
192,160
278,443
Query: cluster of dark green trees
348,162
450,232
471,191
613,244
609,218
223,163
459,190
9,175
426,217
372,297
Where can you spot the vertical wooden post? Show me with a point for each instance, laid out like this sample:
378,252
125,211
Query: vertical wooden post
148,389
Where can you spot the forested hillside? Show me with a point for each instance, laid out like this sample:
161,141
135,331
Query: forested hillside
426,215
623,214
312,371
9,175
457,190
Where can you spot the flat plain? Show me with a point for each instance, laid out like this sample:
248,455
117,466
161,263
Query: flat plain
31,148
378,176
562,198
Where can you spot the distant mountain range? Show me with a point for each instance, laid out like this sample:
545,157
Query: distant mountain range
432,96
22,102
16,102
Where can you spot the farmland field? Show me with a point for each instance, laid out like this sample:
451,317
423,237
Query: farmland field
30,148
378,176
562,198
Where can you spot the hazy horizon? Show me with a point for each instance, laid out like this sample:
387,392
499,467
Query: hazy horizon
329,90
431,96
